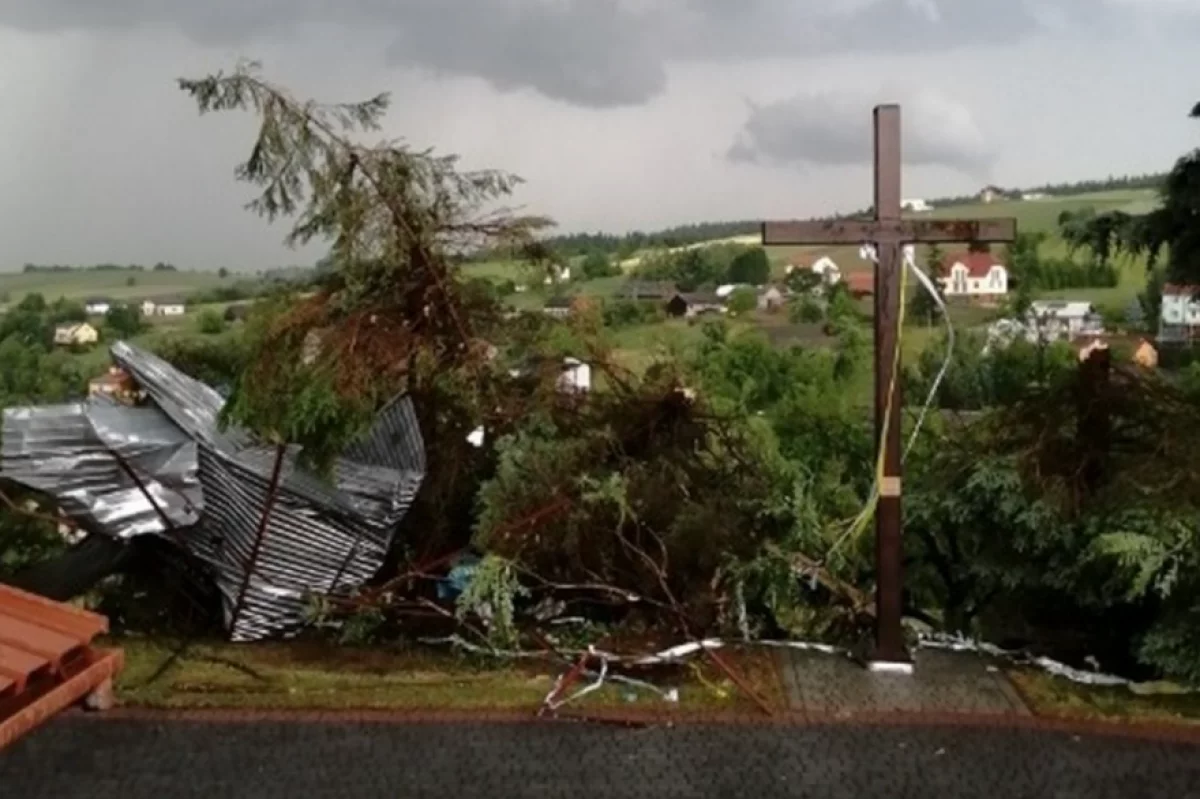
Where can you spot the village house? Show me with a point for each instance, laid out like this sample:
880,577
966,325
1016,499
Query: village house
974,275
860,284
164,306
1179,319
115,384
694,303
723,291
824,266
649,291
916,205
576,377
237,312
97,306
771,298
76,334
1052,320
559,274
989,194
558,306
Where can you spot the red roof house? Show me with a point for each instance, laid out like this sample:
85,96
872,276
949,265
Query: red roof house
973,274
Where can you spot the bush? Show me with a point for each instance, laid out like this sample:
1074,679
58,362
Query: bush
751,267
25,541
125,321
598,265
742,301
209,322
629,313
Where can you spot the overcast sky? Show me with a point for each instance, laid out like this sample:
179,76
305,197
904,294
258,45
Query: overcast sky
620,114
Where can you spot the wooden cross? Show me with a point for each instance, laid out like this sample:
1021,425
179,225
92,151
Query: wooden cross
888,232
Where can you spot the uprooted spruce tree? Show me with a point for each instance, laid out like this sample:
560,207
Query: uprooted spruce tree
640,503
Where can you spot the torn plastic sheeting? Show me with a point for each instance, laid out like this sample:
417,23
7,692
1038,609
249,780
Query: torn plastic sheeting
458,578
320,536
675,654
957,643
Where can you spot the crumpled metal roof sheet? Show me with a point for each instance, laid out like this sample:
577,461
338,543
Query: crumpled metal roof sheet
213,485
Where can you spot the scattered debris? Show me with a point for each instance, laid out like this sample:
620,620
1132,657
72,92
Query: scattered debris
270,532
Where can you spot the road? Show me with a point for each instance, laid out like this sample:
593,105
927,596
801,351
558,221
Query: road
151,759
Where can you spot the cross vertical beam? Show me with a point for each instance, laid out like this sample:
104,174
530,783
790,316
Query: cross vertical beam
889,554
888,231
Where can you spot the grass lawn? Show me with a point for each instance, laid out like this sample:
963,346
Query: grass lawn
312,675
1056,697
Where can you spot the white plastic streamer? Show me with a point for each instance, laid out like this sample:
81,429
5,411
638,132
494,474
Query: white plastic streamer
681,652
867,252
910,262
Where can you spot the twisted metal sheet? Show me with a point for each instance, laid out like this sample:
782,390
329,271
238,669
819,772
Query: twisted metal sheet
213,486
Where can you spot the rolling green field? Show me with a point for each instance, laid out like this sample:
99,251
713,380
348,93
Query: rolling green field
78,285
639,346
1031,215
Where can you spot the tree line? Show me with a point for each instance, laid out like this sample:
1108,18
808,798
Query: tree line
161,266
625,245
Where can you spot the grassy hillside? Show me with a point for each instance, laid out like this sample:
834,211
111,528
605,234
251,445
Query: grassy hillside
1031,215
77,285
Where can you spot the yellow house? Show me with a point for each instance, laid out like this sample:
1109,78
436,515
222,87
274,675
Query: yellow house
76,334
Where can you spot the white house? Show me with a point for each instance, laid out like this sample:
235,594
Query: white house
1179,319
558,306
824,266
164,306
771,298
1051,320
97,306
991,193
915,204
975,275
576,376
723,291
1033,195
561,274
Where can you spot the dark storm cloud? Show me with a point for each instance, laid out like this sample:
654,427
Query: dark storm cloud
590,53
828,130
599,53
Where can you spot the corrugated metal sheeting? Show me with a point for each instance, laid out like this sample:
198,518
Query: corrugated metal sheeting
212,485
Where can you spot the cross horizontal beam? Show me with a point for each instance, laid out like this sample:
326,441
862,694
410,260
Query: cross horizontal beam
857,231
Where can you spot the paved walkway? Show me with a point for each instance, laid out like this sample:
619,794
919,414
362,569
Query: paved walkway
94,758
941,682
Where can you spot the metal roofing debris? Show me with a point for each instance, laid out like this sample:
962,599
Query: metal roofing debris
167,468
46,660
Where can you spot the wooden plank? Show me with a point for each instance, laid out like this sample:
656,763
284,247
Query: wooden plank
915,231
